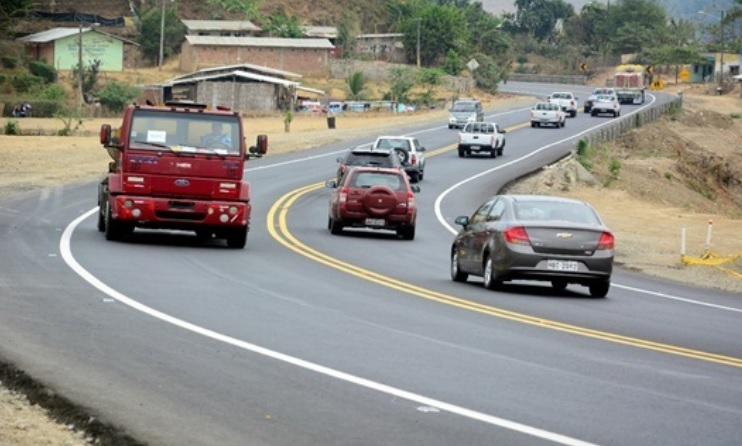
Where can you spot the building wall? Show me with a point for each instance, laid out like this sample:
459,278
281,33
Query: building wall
239,96
108,50
307,62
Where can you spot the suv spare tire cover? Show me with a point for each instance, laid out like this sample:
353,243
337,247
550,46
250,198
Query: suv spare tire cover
380,201
403,155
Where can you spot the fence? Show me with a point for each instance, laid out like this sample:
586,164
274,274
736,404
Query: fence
622,125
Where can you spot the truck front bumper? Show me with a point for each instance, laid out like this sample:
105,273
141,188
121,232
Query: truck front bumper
178,213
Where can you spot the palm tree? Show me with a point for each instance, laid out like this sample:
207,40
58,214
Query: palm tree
356,85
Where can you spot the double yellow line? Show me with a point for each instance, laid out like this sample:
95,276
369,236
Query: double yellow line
278,228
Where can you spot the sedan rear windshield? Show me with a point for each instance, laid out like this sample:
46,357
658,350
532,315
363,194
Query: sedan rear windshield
555,211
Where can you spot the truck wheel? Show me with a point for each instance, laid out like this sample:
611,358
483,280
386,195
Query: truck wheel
101,220
462,152
114,229
493,152
533,124
237,238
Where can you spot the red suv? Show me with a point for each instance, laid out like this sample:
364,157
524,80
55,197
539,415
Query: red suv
375,198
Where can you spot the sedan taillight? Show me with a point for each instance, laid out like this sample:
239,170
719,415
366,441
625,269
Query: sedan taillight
607,241
516,235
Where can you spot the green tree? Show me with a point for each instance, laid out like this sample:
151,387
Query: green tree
441,29
115,95
43,70
453,64
11,11
249,9
346,38
429,79
636,24
89,78
281,25
539,17
400,80
149,33
356,84
489,73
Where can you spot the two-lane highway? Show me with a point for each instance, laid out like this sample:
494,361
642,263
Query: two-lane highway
306,338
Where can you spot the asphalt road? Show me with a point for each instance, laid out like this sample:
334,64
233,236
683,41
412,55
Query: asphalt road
305,338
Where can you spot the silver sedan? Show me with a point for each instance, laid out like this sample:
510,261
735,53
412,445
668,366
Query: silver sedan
534,237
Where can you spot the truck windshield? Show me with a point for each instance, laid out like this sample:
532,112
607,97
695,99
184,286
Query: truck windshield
199,132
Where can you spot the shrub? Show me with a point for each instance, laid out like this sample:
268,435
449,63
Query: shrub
735,116
3,78
668,175
44,71
9,62
614,167
24,82
53,93
115,96
12,127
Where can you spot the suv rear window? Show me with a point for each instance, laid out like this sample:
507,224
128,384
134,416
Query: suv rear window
394,144
382,159
370,179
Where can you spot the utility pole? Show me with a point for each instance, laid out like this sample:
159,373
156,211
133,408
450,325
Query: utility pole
721,57
418,41
80,75
162,34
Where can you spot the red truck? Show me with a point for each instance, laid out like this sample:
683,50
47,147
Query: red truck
177,166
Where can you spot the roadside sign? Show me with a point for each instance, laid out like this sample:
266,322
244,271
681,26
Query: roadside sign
583,66
657,84
684,75
472,64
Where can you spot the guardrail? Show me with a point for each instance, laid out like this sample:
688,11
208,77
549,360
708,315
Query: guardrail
626,123
548,78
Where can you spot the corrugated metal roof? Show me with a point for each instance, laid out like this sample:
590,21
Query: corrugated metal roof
273,42
379,36
51,35
311,90
220,25
236,73
329,32
237,67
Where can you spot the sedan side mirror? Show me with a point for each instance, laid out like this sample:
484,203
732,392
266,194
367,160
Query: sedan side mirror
415,189
422,149
462,221
331,184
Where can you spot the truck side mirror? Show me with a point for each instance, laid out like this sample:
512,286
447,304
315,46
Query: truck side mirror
261,146
105,135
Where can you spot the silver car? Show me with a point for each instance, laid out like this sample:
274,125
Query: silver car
534,237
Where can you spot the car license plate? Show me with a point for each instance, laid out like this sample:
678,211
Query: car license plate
375,222
562,265
474,147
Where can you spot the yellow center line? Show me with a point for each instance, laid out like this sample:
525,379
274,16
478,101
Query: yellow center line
278,228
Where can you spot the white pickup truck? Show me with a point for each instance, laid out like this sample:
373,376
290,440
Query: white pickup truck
481,137
548,113
567,100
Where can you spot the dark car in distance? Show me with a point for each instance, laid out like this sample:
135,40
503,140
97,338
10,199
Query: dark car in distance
534,237
387,158
374,198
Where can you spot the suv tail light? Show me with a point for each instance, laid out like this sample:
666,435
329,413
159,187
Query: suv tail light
516,235
607,241
413,159
343,197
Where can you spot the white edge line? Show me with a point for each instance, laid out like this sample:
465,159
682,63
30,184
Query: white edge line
452,230
65,249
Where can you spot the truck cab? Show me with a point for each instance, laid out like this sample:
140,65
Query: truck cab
177,166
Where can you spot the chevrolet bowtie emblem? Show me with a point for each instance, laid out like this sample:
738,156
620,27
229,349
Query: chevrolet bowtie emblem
564,234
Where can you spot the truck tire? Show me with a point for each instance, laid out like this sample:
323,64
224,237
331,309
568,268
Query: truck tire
462,152
114,229
237,238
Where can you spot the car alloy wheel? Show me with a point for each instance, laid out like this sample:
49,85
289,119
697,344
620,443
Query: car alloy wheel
490,281
456,274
